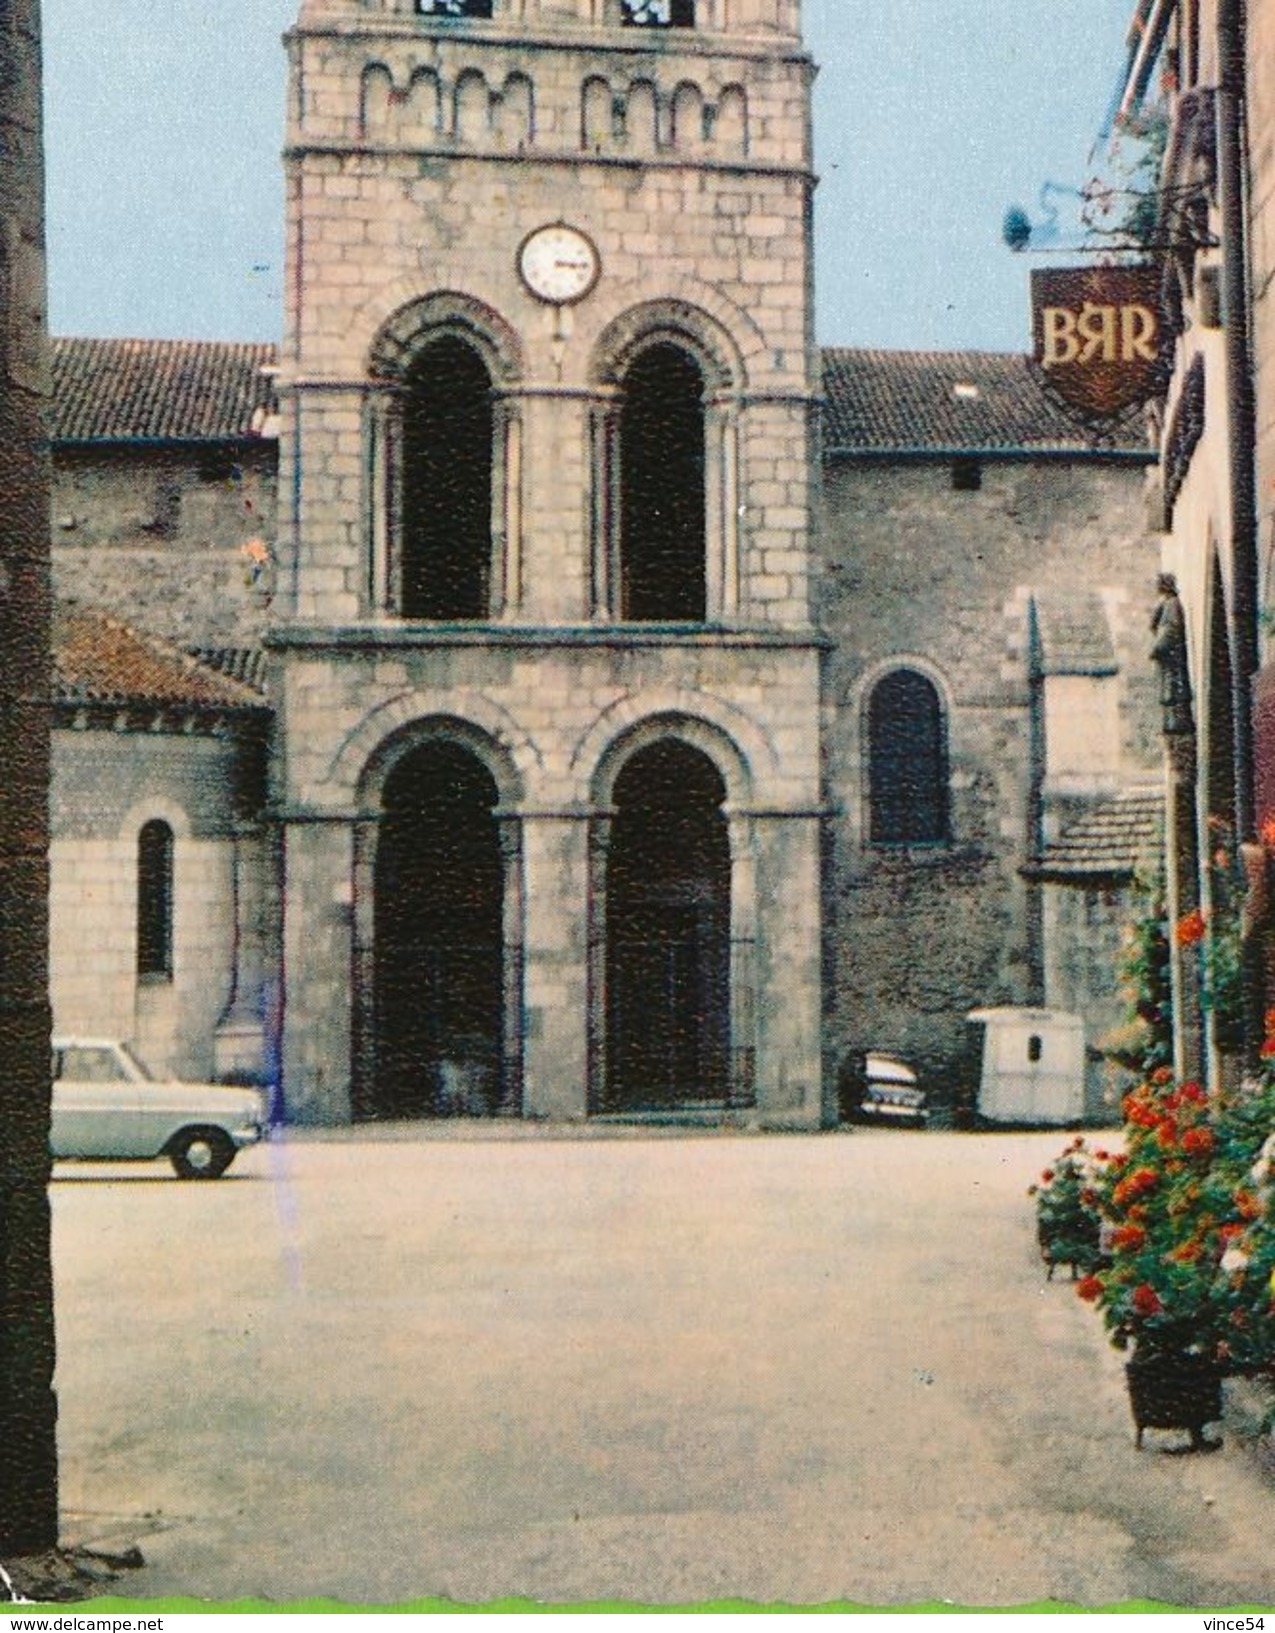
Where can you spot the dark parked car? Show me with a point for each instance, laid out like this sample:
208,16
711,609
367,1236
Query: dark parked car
877,1088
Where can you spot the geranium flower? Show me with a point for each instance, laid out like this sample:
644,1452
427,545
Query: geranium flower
1089,1288
1128,1238
1190,930
1198,1142
1146,1301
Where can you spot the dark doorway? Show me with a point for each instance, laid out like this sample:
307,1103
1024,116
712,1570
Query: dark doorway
668,934
447,475
662,565
438,956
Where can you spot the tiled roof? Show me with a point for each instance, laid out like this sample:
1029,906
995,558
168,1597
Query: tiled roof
877,402
242,663
98,659
881,402
1107,842
160,390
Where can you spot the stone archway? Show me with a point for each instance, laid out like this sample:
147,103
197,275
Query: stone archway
438,976
668,934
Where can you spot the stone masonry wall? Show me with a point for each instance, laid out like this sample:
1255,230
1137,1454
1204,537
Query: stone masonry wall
105,786
157,536
918,573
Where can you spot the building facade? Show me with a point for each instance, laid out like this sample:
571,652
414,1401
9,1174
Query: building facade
660,709
1203,68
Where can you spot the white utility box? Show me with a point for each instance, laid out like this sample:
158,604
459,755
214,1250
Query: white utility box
1033,1066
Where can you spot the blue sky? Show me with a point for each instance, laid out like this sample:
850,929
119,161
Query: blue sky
931,116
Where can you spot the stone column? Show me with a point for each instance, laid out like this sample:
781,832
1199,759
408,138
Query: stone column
1182,897
512,967
318,881
556,976
789,1067
599,859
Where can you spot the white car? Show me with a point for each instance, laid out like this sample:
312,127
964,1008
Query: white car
106,1105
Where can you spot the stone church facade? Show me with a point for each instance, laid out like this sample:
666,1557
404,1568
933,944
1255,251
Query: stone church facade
622,707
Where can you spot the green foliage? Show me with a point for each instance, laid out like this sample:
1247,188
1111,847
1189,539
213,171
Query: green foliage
1146,1044
1068,1223
1189,1226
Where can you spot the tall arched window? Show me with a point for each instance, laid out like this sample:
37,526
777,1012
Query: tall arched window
155,901
446,514
907,762
662,501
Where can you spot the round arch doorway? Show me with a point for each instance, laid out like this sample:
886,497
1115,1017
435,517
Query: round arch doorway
438,958
668,934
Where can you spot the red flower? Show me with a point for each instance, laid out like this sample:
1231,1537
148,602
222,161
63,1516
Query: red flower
1190,930
1228,1233
1089,1288
1187,1252
1146,1301
1198,1142
1162,1074
1128,1238
1247,1205
1048,1176
1194,1092
1167,1134
1138,1183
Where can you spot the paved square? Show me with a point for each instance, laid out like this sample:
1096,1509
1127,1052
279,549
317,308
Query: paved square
649,1367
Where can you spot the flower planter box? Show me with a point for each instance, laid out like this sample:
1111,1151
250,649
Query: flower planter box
1174,1391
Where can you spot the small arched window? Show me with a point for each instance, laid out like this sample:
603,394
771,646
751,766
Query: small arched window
662,499
448,425
907,762
155,902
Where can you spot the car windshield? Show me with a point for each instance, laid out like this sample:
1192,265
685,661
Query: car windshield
98,1063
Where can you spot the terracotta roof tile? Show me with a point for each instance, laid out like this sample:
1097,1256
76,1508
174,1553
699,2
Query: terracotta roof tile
1109,841
98,659
880,402
160,390
877,402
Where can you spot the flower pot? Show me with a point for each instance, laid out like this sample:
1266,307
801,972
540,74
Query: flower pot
1079,1246
1174,1390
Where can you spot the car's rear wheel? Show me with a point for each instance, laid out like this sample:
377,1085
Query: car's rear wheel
201,1153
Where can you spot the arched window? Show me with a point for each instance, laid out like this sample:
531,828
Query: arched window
155,902
662,503
446,513
907,762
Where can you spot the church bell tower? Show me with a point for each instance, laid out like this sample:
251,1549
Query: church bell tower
548,448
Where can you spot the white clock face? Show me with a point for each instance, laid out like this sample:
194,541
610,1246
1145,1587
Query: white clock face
559,264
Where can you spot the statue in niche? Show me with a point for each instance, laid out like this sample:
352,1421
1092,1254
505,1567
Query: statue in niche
1168,650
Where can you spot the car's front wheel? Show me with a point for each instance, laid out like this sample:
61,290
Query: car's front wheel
201,1153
